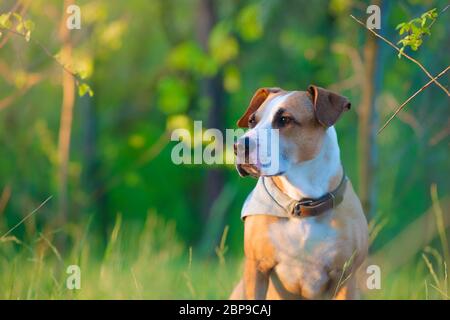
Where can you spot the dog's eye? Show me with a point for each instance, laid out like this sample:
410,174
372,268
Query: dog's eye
283,121
251,121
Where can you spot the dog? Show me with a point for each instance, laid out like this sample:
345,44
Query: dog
305,230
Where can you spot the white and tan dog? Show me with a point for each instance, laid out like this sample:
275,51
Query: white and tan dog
303,221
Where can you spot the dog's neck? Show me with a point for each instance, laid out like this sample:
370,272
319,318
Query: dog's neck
316,177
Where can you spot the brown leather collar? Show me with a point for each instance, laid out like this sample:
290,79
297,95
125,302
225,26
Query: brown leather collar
307,207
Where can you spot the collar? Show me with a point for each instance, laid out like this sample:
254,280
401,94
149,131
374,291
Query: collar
305,207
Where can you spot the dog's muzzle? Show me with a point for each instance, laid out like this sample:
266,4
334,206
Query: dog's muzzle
245,168
248,170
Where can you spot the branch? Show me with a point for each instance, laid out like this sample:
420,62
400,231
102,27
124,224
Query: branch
407,118
440,135
32,80
358,66
48,53
411,97
13,9
27,216
404,54
442,11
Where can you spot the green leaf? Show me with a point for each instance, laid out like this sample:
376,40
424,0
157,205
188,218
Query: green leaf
222,45
173,95
188,56
424,21
4,20
249,22
20,27
136,141
84,88
179,121
400,52
405,28
232,79
414,29
28,36
400,25
431,14
29,25
83,74
17,16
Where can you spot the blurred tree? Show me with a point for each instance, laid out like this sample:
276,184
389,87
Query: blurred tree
368,117
65,127
211,91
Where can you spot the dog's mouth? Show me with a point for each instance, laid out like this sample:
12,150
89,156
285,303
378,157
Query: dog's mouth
246,169
252,170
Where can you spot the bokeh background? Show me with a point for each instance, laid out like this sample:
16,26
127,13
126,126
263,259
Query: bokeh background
140,226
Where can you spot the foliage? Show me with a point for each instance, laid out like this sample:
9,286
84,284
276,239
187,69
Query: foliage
415,29
22,26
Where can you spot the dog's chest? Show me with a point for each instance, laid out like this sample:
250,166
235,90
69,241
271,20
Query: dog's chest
306,250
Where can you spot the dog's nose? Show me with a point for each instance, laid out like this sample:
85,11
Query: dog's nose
242,145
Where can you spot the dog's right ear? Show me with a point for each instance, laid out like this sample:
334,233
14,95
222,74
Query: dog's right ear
328,105
257,100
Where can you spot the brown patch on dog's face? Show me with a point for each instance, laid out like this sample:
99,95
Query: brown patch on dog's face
261,96
298,126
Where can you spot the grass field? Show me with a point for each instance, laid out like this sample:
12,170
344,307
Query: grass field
139,263
149,262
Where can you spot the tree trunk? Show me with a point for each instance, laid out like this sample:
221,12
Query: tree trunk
92,179
368,120
215,196
211,88
65,129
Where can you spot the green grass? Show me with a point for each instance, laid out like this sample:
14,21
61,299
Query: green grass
150,262
146,262
413,281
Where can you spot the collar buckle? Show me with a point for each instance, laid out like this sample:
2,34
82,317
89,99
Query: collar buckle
298,206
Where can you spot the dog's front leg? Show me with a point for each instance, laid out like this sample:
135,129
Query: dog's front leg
256,280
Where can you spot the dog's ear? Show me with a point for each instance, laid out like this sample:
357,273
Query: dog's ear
257,100
328,106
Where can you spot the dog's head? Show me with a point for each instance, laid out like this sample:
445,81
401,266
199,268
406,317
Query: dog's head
301,119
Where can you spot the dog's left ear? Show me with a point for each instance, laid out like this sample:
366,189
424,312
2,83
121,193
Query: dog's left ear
328,106
257,100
